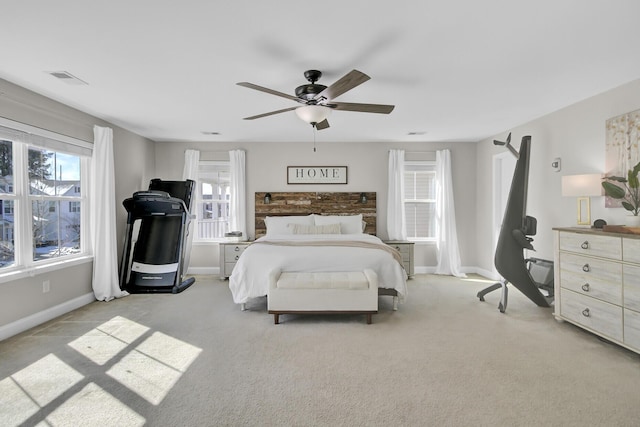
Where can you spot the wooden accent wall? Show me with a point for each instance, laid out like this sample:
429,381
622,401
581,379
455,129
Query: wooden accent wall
321,203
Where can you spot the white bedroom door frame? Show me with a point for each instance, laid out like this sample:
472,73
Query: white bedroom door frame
504,164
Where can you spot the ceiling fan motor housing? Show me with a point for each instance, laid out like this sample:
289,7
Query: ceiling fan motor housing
308,92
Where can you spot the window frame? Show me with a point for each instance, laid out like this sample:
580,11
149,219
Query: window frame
199,201
23,137
430,167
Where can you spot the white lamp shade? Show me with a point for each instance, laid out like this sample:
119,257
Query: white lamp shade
582,185
313,113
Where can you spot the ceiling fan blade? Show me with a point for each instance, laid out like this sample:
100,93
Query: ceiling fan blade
363,108
347,82
322,125
267,90
270,113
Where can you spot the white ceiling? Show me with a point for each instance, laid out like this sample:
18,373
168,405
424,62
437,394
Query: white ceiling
456,70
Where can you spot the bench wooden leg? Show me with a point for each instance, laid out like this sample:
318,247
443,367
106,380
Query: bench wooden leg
276,318
368,318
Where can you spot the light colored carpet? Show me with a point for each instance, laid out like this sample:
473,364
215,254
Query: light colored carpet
194,359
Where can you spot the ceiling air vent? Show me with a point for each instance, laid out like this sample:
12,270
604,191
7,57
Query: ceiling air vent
67,77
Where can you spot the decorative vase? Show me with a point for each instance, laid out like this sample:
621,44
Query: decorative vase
633,221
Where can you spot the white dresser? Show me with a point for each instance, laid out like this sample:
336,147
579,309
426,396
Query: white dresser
229,255
597,283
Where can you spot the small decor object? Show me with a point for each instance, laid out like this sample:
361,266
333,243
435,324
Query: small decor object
267,198
628,193
316,174
599,223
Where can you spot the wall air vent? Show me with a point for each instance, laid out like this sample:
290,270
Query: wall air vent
67,77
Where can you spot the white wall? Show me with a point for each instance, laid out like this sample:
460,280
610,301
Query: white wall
367,164
134,164
576,134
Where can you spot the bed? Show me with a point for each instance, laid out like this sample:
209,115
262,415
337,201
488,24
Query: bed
315,243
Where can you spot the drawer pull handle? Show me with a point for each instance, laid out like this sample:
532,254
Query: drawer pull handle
237,248
585,312
237,257
585,244
586,268
585,287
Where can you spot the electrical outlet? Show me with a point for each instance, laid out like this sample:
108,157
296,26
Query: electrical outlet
46,286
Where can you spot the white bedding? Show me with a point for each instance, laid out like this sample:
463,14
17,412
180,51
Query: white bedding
250,277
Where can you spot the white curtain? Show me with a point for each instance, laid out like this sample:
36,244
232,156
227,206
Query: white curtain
190,171
396,226
106,284
447,238
237,204
191,162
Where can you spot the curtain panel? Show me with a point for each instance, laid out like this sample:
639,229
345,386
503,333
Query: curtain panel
237,203
190,171
448,254
102,203
396,226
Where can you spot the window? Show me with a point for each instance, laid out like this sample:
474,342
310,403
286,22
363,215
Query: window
42,204
420,200
212,200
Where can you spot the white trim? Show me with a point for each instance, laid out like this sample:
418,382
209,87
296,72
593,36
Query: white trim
23,127
471,270
203,271
41,317
35,270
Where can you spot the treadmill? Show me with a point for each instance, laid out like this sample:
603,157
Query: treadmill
157,238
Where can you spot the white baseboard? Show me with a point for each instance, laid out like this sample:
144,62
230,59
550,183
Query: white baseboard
39,318
466,270
195,271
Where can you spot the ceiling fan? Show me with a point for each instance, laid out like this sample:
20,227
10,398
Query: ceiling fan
318,99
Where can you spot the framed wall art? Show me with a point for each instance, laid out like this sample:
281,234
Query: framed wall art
621,146
316,174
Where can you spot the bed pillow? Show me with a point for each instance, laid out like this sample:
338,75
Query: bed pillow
315,229
280,224
349,224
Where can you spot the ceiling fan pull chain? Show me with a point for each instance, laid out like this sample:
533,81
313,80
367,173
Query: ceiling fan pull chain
314,138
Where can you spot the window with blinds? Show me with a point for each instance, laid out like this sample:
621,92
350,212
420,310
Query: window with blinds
420,200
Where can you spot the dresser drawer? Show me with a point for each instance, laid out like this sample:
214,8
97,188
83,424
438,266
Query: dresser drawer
228,268
632,328
233,252
598,277
602,317
631,250
589,244
631,278
593,277
592,287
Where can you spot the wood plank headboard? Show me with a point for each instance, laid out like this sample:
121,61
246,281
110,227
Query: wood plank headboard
321,203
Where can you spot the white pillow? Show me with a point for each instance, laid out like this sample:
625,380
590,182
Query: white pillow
315,229
349,224
279,224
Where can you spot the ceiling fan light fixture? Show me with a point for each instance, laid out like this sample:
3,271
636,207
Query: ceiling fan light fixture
313,113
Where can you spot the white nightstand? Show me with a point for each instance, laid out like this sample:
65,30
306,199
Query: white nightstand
229,254
406,250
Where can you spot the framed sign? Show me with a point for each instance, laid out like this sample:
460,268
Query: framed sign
316,174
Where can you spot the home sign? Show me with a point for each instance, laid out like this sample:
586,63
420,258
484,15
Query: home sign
316,174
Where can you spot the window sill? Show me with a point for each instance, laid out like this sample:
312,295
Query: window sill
44,268
424,242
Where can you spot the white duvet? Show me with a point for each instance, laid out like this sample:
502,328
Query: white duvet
250,277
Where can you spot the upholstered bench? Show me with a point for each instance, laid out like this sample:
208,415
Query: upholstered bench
323,292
